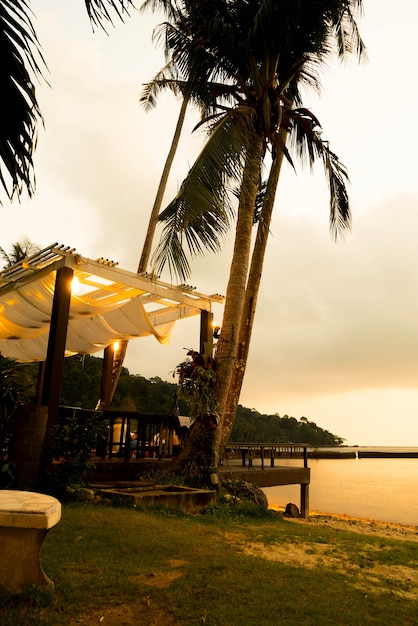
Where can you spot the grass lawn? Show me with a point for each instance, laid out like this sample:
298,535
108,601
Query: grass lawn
120,567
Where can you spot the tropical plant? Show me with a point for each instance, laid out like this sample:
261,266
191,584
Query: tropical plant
16,386
196,381
19,250
75,436
262,51
21,67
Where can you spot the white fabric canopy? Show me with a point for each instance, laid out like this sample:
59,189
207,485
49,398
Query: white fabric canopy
25,319
110,307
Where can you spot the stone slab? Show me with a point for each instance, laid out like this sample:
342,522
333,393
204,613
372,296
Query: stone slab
172,496
27,509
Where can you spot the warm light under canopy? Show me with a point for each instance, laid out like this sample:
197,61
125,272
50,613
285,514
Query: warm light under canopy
107,305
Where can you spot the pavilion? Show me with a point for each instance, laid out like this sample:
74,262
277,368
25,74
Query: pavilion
57,302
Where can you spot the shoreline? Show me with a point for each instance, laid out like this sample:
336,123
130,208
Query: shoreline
364,526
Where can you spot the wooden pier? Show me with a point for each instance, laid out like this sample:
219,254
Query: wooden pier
259,463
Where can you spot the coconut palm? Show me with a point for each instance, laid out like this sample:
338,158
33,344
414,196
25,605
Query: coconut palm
19,250
120,355
148,99
21,67
263,50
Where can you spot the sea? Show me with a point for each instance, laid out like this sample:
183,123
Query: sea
383,489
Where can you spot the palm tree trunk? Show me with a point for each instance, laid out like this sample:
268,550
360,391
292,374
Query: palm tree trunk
226,352
152,224
149,237
250,301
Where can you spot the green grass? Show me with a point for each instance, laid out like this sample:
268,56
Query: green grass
119,566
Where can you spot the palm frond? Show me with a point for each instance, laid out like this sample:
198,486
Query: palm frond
151,90
19,250
306,141
172,9
200,214
100,11
21,61
337,178
347,33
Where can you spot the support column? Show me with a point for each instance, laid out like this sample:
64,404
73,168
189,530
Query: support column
304,500
40,383
106,385
206,331
54,365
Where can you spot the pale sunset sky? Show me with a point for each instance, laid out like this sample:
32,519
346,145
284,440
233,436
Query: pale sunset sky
336,332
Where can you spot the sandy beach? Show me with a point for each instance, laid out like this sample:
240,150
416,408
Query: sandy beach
364,526
371,579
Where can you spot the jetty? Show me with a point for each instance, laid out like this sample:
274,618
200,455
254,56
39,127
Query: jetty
267,465
385,454
262,464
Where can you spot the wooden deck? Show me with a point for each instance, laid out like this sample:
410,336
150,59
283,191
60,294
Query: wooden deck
260,464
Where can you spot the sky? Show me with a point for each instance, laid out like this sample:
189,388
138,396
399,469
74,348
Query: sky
336,331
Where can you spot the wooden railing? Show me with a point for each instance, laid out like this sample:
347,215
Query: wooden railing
248,451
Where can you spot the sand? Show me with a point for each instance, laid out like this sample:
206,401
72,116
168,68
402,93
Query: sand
364,526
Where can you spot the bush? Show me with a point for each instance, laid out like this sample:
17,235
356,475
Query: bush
76,436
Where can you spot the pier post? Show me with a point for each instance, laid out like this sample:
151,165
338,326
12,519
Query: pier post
304,500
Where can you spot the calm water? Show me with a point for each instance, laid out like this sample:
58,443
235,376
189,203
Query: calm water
382,489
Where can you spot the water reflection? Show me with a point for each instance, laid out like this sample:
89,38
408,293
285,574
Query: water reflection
384,489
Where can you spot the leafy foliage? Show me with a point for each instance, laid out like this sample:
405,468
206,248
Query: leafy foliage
244,65
82,380
81,388
75,437
98,10
18,251
21,65
21,61
197,378
252,426
17,385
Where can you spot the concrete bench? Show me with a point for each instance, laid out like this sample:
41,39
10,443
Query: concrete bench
25,518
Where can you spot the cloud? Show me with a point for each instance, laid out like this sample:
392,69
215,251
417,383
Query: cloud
339,317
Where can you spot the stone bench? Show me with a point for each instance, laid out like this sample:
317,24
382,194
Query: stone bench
25,518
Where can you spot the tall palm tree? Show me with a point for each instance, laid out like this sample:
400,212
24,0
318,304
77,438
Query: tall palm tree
22,65
336,175
263,50
148,99
144,259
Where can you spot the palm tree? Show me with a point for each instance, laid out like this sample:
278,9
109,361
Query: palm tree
337,189
19,250
169,78
263,50
148,99
21,67
120,355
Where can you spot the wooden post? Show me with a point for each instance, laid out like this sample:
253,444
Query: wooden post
40,383
206,331
106,384
304,500
56,344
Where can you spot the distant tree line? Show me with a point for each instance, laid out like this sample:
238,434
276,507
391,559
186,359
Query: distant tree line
252,426
82,380
81,387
